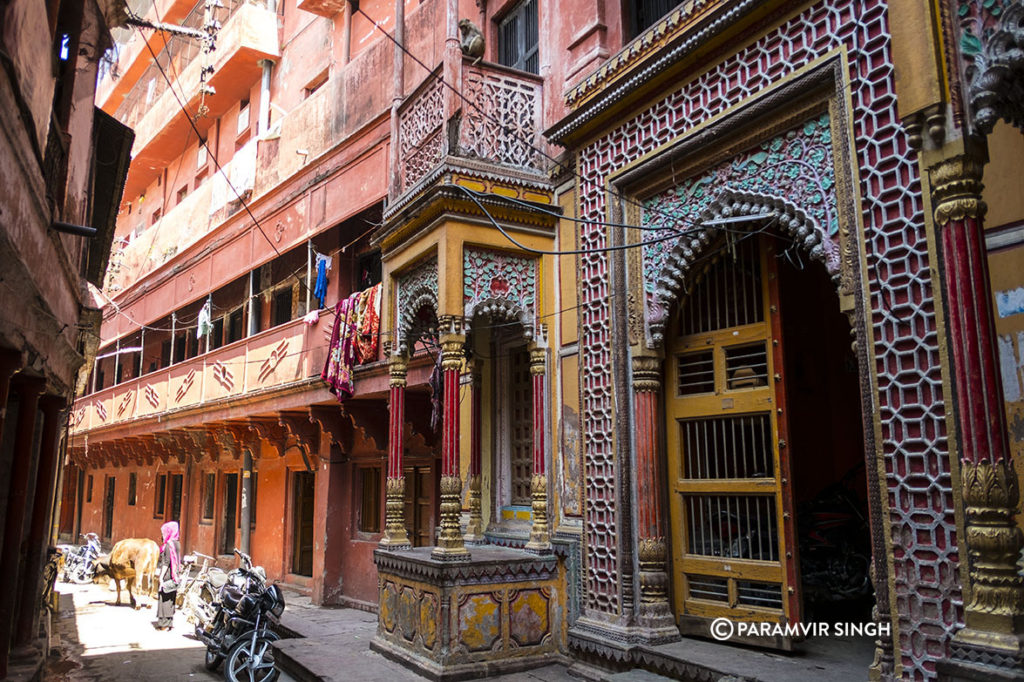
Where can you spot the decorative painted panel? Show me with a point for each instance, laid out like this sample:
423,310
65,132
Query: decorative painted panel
796,165
910,401
416,290
500,285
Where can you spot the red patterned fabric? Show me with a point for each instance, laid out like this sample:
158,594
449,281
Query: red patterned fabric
354,340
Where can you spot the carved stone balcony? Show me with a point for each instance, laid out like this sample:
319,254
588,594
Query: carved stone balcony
496,128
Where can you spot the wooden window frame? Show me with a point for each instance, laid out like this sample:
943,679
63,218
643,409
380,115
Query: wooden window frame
372,505
159,496
209,498
515,22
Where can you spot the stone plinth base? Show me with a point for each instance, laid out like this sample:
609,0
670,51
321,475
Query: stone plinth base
500,611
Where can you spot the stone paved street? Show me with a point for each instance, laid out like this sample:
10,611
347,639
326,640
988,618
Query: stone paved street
100,641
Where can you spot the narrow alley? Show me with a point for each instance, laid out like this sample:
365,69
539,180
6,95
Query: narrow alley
96,640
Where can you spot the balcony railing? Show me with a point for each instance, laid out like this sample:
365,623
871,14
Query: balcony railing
500,122
287,353
173,59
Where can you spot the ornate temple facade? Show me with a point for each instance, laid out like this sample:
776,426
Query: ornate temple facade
690,313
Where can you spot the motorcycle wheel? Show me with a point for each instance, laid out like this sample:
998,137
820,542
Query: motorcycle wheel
242,664
81,576
213,660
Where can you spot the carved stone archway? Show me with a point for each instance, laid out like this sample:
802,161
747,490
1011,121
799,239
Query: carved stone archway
733,210
416,291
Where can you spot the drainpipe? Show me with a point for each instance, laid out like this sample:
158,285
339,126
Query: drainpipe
246,520
398,85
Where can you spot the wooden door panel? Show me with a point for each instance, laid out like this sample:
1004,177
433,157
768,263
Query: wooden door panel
732,535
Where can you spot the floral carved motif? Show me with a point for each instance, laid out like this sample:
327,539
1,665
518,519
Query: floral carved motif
501,286
991,40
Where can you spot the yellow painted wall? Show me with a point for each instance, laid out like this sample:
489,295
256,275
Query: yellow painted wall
1004,177
1006,271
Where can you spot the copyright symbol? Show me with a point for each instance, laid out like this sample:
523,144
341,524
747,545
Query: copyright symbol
722,629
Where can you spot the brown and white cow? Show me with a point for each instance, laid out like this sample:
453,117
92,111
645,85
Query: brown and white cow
131,560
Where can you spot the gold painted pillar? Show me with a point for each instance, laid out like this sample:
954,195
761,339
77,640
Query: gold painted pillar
994,628
395,535
450,545
475,527
540,537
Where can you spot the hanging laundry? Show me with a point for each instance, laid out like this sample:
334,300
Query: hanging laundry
341,351
354,339
368,328
205,325
312,317
323,266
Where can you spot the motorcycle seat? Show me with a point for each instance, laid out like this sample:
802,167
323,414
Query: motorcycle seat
217,578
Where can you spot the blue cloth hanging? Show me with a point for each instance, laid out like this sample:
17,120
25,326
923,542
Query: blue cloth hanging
320,291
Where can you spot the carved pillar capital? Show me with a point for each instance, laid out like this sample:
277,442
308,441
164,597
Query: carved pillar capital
398,367
452,352
538,360
646,373
956,187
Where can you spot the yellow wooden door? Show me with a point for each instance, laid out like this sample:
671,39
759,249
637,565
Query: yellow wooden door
734,553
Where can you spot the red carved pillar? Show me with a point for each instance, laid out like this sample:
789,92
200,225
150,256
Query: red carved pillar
474,529
540,537
28,390
994,617
28,609
652,551
450,545
395,535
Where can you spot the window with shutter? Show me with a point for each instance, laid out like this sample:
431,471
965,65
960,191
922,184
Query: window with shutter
518,38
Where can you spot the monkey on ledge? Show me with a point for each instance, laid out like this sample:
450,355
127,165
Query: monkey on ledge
472,40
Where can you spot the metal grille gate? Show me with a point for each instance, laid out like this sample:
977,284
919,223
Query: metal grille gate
732,530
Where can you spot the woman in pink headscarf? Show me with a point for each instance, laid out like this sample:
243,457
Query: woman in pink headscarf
170,570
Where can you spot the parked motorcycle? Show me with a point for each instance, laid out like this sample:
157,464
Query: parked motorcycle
834,547
80,560
240,630
198,596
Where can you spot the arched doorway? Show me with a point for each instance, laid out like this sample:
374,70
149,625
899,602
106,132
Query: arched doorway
763,435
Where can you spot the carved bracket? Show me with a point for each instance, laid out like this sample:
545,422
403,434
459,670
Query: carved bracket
303,430
269,430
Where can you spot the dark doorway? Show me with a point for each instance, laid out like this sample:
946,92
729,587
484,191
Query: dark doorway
108,507
227,537
826,446
419,505
302,511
